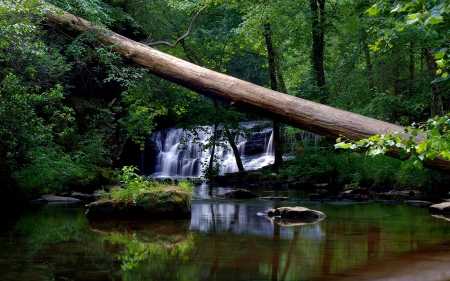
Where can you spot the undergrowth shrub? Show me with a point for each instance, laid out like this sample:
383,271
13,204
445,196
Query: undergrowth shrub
318,165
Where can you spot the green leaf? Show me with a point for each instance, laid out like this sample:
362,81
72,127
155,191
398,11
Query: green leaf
402,153
418,164
373,10
445,154
434,19
435,133
342,145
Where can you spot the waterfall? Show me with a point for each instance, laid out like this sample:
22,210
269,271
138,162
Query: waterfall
181,154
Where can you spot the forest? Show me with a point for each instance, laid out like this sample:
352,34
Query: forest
72,109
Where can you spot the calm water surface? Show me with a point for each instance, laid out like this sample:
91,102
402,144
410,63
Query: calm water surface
227,240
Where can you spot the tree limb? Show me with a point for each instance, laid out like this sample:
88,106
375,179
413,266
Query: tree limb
182,37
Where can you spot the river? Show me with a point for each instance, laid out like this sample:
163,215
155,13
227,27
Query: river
226,240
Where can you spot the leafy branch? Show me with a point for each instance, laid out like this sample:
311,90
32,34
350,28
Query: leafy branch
436,142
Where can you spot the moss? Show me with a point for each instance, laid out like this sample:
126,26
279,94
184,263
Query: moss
170,202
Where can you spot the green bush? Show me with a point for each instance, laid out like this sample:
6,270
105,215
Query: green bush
49,171
318,165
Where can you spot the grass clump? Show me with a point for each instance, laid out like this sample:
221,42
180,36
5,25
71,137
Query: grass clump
134,185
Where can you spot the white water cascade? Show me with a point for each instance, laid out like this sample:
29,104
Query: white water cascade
187,159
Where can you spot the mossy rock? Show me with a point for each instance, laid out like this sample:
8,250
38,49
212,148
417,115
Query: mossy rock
169,203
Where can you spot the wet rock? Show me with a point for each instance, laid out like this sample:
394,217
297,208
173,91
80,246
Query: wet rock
400,194
274,198
170,203
299,213
418,203
442,208
88,198
50,198
35,202
239,193
257,143
358,195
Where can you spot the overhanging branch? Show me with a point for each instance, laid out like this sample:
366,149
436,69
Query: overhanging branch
182,37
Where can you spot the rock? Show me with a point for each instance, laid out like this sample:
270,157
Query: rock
174,205
418,203
399,194
274,198
357,195
443,208
257,143
50,198
88,198
300,213
239,194
35,202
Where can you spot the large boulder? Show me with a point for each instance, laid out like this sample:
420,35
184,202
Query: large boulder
169,203
299,213
442,208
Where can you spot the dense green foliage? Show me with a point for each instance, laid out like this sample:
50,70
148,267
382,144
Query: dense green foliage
323,165
431,16
68,104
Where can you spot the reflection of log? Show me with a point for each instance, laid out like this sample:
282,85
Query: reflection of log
317,118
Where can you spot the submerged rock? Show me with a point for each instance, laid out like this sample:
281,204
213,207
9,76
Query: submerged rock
239,193
169,203
300,213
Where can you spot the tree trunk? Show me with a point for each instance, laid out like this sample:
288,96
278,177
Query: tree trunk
411,69
274,86
368,60
437,108
237,155
317,118
318,41
210,173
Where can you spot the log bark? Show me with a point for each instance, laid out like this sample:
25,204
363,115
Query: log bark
300,113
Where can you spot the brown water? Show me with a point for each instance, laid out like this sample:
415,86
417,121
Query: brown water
227,240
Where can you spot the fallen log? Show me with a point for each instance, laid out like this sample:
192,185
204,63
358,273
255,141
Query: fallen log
297,112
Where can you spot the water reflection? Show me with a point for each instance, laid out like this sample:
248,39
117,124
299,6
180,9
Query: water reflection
243,219
227,240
